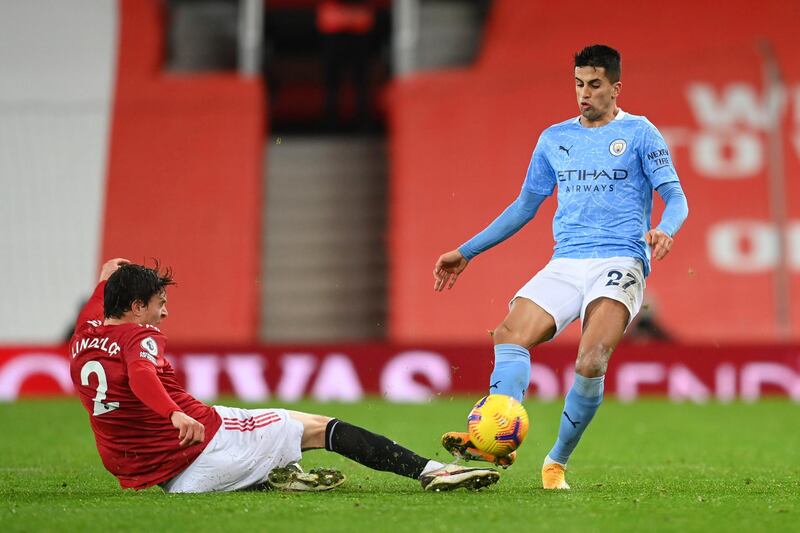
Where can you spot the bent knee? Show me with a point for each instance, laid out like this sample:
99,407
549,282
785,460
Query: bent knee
593,362
316,423
314,427
526,337
504,334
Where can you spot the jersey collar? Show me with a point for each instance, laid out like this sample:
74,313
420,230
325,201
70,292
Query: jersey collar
619,116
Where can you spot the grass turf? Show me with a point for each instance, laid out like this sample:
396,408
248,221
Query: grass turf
647,465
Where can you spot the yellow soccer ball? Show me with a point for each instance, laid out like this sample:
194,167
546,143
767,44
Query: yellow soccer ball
497,424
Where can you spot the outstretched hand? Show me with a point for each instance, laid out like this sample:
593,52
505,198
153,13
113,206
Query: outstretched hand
447,269
110,266
660,242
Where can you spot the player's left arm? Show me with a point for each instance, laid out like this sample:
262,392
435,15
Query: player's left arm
93,308
675,212
660,171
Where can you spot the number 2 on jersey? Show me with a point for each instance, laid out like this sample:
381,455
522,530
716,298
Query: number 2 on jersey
100,407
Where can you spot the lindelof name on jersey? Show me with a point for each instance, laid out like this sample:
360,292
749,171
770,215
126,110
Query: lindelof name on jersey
102,344
150,348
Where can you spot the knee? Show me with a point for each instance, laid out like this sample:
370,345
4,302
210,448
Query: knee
317,425
504,334
314,427
593,361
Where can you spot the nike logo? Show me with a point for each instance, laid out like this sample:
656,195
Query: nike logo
494,385
565,149
574,424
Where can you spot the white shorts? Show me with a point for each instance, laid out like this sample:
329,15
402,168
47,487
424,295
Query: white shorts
248,445
565,287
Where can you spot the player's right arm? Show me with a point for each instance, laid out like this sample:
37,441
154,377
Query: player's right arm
540,181
450,265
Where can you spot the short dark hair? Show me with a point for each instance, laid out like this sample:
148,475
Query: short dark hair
130,283
600,55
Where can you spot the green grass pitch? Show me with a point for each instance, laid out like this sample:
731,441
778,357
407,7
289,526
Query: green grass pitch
650,465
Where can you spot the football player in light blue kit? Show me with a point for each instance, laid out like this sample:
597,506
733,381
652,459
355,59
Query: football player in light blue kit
604,164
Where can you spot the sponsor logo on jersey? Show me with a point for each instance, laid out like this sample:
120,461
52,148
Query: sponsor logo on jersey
617,147
589,188
149,357
615,174
150,346
658,159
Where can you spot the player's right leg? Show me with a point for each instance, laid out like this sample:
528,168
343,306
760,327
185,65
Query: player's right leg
526,325
380,453
539,311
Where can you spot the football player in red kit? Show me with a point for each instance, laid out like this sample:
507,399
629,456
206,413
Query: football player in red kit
150,431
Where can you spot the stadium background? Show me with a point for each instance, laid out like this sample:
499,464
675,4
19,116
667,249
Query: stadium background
304,250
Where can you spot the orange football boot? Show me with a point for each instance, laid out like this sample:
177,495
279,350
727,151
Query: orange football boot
553,476
460,445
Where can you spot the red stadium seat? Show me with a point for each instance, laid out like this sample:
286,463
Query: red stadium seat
184,182
461,142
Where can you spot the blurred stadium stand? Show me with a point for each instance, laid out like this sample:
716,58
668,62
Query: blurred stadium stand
324,223
461,141
117,158
127,130
185,179
55,97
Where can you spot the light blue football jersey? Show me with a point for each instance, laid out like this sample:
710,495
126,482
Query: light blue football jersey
605,178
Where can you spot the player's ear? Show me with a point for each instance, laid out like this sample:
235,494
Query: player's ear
616,89
137,306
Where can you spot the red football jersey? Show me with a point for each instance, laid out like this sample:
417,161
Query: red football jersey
130,391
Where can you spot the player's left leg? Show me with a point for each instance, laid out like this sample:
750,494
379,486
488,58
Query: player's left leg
380,453
604,322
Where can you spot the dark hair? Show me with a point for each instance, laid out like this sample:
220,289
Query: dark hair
600,55
130,283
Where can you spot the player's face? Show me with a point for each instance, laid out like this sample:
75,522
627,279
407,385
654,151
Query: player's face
597,96
156,310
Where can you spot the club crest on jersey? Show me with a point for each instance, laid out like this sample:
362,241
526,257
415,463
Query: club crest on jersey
617,147
150,345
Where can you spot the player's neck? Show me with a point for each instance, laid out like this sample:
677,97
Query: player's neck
125,319
607,118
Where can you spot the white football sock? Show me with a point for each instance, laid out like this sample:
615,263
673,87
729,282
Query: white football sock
548,461
431,466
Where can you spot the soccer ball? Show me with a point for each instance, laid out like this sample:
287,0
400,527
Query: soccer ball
497,424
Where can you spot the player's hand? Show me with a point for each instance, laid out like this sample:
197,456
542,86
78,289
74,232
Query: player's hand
447,269
659,241
190,431
110,266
